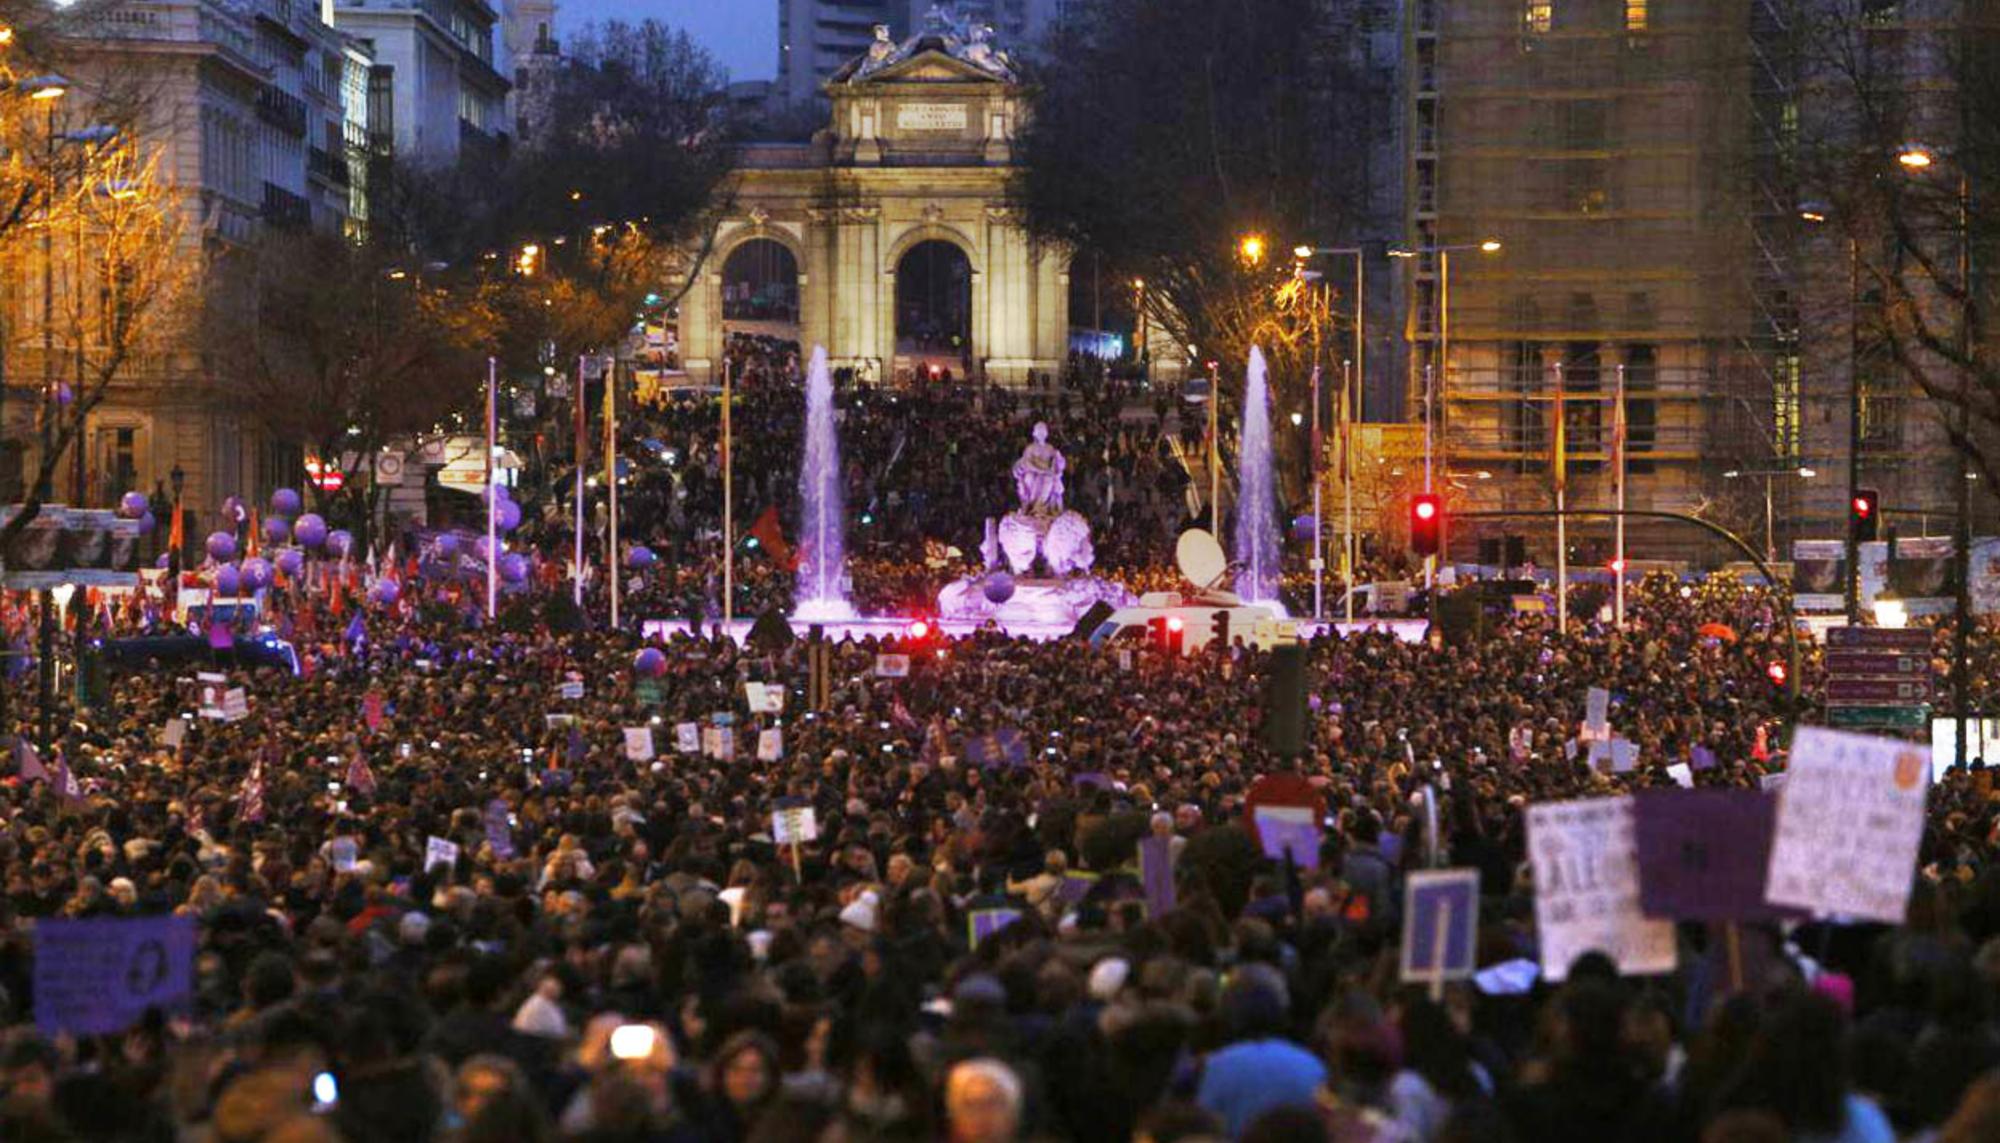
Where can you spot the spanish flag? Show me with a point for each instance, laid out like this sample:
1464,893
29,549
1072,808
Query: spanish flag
1559,448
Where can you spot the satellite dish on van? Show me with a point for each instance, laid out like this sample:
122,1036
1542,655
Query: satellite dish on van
1200,558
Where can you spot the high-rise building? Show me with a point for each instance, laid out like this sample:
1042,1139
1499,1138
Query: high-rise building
445,98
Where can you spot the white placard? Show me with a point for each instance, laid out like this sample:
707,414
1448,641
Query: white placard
719,742
173,733
795,825
770,745
1624,755
930,117
438,851
235,705
1125,659
765,698
639,743
1597,713
343,851
892,666
687,737
572,690
1682,774
1586,863
1849,823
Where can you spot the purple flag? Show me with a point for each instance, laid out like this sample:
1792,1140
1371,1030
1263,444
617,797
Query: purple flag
100,976
29,762
1075,886
356,629
1703,854
983,923
1156,873
65,782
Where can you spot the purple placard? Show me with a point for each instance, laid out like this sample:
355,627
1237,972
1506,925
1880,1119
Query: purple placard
499,833
983,923
1282,832
100,976
1703,854
1156,873
1440,903
1701,758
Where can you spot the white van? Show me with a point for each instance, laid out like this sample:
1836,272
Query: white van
1255,625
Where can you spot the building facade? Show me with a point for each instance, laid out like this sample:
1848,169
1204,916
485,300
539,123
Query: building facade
440,91
816,38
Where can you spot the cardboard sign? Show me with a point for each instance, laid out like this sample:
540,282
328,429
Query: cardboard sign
1289,829
639,743
687,737
1587,888
174,733
343,853
1703,853
981,924
765,698
892,666
1440,925
770,745
571,691
1597,713
1156,874
99,976
438,851
1849,824
719,742
235,705
794,825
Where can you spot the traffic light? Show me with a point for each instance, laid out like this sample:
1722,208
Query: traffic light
1175,628
1778,672
1861,514
1426,523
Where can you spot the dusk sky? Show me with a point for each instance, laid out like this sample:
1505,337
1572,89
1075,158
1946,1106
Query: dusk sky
742,34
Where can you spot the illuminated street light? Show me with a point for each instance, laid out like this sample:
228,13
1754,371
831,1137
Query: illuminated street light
1915,157
1251,248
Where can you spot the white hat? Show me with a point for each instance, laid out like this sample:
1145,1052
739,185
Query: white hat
861,911
540,1016
1108,977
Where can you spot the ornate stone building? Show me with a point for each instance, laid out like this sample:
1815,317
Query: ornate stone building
909,179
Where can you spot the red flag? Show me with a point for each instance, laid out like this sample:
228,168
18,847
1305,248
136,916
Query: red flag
175,535
770,535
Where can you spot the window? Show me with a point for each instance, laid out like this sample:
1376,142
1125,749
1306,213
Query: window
1642,409
1538,16
1785,406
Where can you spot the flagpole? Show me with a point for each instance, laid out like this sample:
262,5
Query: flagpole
492,493
1430,376
1215,449
1560,464
611,476
1319,522
1347,482
582,415
729,506
1618,430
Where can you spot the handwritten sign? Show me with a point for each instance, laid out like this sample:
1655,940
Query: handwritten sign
764,698
100,976
770,745
892,666
571,690
1440,924
1587,888
794,825
1849,823
438,851
639,743
687,737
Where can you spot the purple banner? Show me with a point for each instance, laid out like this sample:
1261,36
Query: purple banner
983,923
100,976
1703,854
1282,832
1156,872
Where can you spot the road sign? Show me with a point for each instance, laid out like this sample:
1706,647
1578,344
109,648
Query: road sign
1899,717
1875,664
1849,690
1879,638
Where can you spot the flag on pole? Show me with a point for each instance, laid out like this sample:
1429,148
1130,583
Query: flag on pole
1559,448
28,762
177,533
65,782
250,798
1618,430
250,540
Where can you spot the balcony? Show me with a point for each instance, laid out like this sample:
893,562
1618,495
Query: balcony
283,110
327,166
285,210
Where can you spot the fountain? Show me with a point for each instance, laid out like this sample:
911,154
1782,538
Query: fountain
1256,518
822,594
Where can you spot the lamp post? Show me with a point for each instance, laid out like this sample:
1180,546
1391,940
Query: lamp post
1769,475
1345,428
47,90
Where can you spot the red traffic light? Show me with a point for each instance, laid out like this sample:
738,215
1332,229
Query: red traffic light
1863,507
1862,518
1778,673
919,629
1425,508
1174,623
1426,523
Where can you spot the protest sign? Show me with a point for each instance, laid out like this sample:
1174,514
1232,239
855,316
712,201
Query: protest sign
571,690
235,705
794,825
1597,713
765,698
174,733
649,692
1682,775
499,829
1125,659
1624,755
1587,888
1440,924
343,851
981,924
687,737
1702,854
1289,829
719,742
100,976
1849,824
1002,747
639,743
892,666
211,687
1156,874
770,745
558,721
438,851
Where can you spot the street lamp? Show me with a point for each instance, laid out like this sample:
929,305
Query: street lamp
1251,248
1443,357
1348,379
1915,156
1802,472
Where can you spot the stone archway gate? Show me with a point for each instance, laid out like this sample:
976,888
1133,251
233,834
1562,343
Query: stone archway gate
919,148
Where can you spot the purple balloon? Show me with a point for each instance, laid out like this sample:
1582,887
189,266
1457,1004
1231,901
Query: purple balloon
147,523
310,530
227,580
277,529
447,545
132,505
232,509
256,573
650,662
164,561
483,548
64,394
286,502
506,515
339,542
291,560
640,556
513,567
999,587
502,492
221,546
1302,528
385,591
